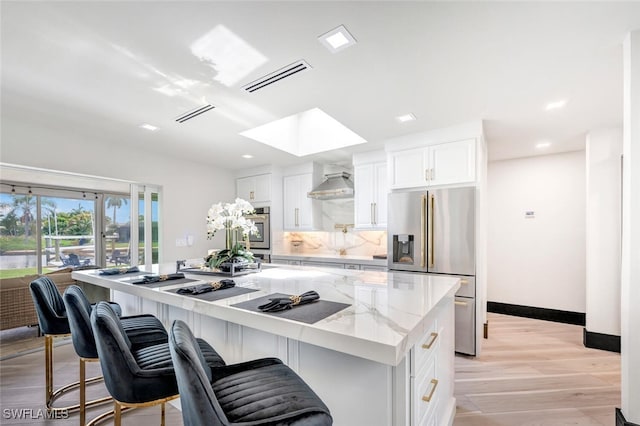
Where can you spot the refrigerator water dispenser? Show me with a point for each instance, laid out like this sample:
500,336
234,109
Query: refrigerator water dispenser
403,248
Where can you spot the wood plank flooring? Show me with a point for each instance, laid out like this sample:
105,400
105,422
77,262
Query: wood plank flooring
531,372
534,372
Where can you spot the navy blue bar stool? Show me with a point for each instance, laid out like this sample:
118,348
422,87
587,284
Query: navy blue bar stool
53,322
134,376
260,392
142,330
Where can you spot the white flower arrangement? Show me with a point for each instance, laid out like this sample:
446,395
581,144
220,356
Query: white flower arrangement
230,218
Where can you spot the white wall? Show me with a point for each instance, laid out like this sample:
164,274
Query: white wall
630,286
604,197
188,188
537,262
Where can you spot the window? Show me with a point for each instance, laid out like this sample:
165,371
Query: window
45,229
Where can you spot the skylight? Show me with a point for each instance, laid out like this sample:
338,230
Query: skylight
306,133
231,57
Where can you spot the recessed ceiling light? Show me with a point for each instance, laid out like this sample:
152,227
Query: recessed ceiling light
555,105
406,117
337,39
148,127
543,145
247,156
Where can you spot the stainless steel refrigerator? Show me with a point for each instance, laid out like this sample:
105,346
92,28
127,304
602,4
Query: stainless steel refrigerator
434,232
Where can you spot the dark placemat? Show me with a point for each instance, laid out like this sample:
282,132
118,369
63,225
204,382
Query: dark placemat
308,313
160,283
218,294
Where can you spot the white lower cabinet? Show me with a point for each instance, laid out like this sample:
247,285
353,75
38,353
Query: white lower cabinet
432,373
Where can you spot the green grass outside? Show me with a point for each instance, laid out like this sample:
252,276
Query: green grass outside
14,273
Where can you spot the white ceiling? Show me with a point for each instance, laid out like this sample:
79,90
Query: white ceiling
94,66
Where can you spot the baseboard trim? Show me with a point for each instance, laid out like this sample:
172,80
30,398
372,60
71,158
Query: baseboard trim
606,342
555,315
621,421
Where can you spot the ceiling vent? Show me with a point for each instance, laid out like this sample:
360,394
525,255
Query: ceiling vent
194,113
278,75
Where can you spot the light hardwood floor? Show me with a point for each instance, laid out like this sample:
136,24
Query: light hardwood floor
530,373
535,372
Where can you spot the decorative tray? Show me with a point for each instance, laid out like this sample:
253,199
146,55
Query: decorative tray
229,269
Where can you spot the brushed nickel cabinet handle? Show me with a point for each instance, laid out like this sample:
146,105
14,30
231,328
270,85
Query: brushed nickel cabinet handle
375,213
464,282
251,196
372,220
426,174
434,336
427,398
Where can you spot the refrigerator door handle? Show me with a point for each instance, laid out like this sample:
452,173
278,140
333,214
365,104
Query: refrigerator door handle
432,238
423,229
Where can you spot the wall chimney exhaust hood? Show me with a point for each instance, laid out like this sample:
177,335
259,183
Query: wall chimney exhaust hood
335,186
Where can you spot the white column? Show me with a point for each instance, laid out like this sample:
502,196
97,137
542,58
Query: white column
604,199
630,284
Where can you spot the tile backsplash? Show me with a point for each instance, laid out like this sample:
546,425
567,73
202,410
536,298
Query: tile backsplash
358,243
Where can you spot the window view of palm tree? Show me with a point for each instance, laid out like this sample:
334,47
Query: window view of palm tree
117,229
67,232
17,235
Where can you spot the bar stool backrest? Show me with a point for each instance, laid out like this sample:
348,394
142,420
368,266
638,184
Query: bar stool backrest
52,315
198,402
79,314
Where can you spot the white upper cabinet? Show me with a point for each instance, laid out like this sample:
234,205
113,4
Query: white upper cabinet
299,210
441,164
254,189
370,199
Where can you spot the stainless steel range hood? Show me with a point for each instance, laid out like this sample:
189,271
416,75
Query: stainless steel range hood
335,186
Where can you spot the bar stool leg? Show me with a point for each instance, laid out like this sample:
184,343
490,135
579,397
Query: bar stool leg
162,414
117,416
48,365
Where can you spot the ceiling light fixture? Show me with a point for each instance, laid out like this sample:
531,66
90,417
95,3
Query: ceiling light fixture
543,145
337,39
556,105
406,117
247,156
148,127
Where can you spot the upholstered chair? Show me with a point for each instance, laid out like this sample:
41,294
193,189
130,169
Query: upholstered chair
142,330
260,392
53,322
134,376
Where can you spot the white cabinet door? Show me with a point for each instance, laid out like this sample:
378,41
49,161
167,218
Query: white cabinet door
291,190
364,195
244,188
370,196
305,204
408,168
452,162
381,194
298,208
442,164
255,189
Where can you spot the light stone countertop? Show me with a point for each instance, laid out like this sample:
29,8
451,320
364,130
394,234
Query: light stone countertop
389,312
362,260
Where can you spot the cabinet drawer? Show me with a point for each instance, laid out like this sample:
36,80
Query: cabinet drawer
351,266
467,287
425,348
425,393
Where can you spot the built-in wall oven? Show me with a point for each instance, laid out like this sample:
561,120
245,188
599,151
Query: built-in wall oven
260,245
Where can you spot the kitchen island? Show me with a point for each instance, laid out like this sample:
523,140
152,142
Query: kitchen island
385,358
